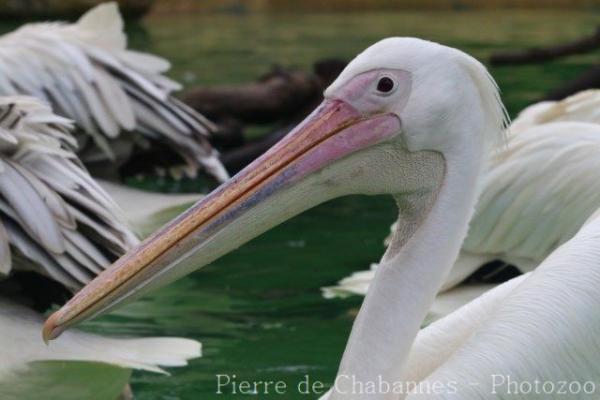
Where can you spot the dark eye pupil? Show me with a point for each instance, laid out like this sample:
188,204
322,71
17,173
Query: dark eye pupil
385,85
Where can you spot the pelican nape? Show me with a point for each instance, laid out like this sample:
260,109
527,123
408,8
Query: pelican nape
409,118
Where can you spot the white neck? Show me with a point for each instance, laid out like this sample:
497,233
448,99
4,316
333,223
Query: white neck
406,282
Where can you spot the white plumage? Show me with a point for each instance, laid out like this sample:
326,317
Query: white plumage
580,107
517,331
56,221
88,75
529,323
537,191
52,211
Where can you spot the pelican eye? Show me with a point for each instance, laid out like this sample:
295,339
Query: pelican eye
385,84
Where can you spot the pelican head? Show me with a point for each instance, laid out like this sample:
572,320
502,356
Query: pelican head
388,124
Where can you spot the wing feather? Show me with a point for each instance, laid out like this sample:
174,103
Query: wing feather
581,107
5,256
59,221
27,203
538,192
86,72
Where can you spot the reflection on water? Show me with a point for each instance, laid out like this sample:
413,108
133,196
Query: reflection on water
258,311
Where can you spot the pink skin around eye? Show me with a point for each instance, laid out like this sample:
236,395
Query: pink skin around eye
361,92
356,99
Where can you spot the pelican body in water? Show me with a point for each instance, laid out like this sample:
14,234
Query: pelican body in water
409,118
58,230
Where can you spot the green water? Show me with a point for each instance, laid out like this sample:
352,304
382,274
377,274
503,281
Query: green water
258,311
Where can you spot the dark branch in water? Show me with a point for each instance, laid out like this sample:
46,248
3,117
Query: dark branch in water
281,98
274,97
542,54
